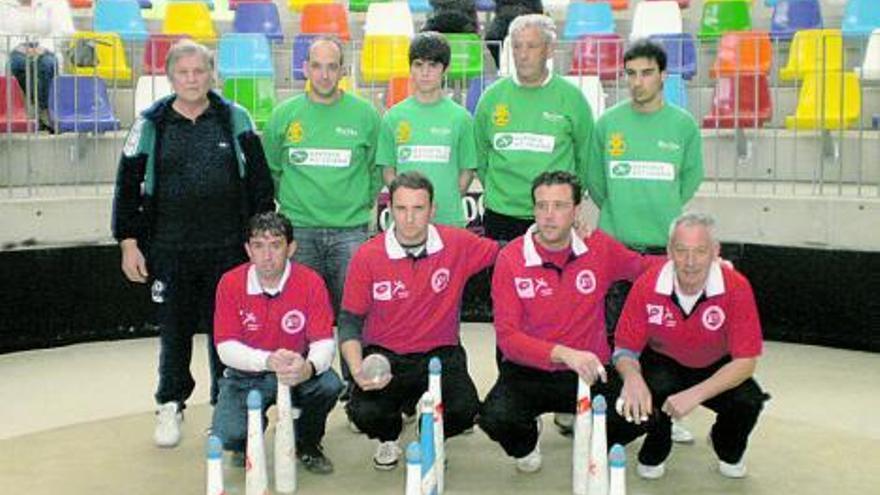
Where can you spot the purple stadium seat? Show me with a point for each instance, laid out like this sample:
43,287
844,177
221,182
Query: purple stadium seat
681,53
790,16
81,104
233,4
475,90
486,5
260,18
300,51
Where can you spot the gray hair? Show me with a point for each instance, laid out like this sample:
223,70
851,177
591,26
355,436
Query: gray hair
543,23
691,219
185,48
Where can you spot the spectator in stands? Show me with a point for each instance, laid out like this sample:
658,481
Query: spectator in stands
452,16
505,12
689,335
549,293
321,148
33,30
429,132
529,123
274,323
424,269
192,172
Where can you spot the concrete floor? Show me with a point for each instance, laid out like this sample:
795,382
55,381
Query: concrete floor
78,420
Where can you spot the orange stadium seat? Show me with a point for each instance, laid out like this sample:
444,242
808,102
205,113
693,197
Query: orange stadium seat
399,88
331,18
743,52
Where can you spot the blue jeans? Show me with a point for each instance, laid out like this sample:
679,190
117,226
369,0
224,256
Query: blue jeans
42,71
329,251
315,398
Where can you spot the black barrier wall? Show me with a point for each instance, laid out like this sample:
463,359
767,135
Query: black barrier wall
53,297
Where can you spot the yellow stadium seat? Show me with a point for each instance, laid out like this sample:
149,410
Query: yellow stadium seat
110,54
192,18
384,57
827,101
811,51
298,5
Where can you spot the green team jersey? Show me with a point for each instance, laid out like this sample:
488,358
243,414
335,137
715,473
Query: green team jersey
322,160
437,139
524,131
643,169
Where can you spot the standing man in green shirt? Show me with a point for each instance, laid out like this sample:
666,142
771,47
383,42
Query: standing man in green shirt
646,164
321,148
532,122
430,133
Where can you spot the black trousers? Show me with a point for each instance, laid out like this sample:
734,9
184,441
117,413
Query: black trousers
522,393
503,227
378,413
737,409
183,285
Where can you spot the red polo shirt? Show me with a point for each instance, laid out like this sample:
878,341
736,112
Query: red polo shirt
538,306
292,319
413,305
723,322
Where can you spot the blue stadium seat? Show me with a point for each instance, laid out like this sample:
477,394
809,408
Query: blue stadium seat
860,18
122,17
300,51
486,5
420,6
791,16
675,90
81,104
475,90
587,18
258,17
681,53
145,4
245,55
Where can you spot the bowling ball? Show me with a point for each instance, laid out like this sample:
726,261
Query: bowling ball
375,368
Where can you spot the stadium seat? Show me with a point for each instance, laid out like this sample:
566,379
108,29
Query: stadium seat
870,69
587,18
485,5
301,45
384,57
257,95
259,18
156,52
860,18
80,104
298,5
399,88
615,4
507,65
363,5
743,52
475,89
420,6
652,18
13,113
675,91
682,4
122,17
244,55
80,4
233,4
192,18
740,102
148,90
598,55
110,52
328,18
827,101
681,53
466,60
592,89
721,16
791,16
145,4
813,50
392,18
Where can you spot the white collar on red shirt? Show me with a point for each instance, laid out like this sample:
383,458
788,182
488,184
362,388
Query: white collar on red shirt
254,288
395,251
531,254
714,282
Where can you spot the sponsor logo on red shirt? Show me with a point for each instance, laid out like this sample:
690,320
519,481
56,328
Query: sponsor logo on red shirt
387,290
585,282
248,320
713,318
440,280
293,321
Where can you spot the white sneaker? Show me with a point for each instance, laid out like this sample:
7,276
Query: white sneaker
651,472
680,434
532,461
168,418
735,471
387,456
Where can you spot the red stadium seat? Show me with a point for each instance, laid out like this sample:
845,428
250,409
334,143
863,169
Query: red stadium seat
156,52
598,54
740,102
13,115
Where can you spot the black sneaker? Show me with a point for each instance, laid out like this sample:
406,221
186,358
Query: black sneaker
314,460
564,423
